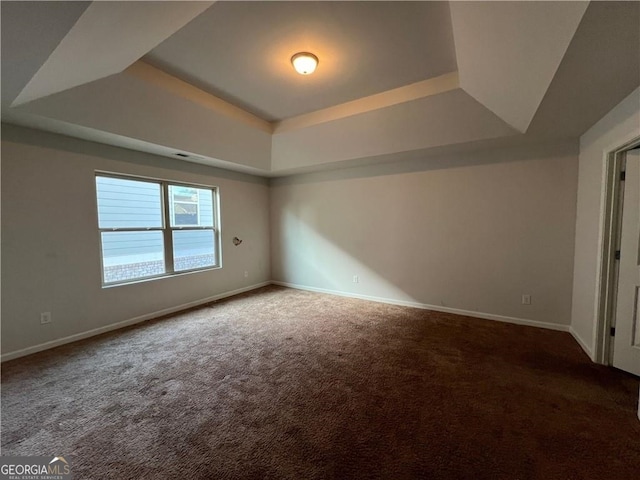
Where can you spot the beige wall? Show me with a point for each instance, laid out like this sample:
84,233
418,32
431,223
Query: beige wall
50,241
619,126
471,232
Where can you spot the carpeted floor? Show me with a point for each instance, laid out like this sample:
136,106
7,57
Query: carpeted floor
286,384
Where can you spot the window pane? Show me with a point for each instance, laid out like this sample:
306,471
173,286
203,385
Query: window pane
193,249
190,206
131,255
128,203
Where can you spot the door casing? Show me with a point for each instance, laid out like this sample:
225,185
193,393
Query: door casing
611,232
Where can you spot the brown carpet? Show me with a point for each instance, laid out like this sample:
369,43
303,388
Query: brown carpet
286,384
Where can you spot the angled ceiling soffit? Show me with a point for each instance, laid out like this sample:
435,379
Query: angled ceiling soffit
179,88
511,77
106,39
126,105
408,93
31,31
446,119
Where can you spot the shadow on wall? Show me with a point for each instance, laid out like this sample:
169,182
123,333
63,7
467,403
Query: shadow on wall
473,237
309,260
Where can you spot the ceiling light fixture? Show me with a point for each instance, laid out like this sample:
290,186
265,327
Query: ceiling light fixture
305,63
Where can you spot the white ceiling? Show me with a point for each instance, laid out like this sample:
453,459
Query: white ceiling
511,77
241,51
95,52
21,55
215,82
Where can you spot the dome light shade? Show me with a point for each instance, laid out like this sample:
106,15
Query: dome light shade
305,63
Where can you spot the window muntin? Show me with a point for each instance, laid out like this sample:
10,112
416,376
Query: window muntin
136,240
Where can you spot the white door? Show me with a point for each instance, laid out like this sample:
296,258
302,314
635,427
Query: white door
626,344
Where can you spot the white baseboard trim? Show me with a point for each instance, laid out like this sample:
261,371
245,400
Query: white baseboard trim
125,323
582,343
457,311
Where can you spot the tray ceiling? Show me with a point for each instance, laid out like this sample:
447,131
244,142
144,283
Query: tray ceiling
240,51
214,81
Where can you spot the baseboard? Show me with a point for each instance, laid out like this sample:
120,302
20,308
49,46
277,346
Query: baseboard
436,308
142,318
125,323
582,343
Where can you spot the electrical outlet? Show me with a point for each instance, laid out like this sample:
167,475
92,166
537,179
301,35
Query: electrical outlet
45,317
526,299
246,274
356,279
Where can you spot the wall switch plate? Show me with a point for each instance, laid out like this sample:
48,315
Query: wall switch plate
526,299
45,317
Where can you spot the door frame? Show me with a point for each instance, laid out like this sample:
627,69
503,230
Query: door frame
610,242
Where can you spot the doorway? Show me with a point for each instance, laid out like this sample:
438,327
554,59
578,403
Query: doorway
618,331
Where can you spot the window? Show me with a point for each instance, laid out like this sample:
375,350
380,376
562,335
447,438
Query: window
137,240
184,205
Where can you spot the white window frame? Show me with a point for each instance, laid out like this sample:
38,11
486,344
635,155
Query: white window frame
166,229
